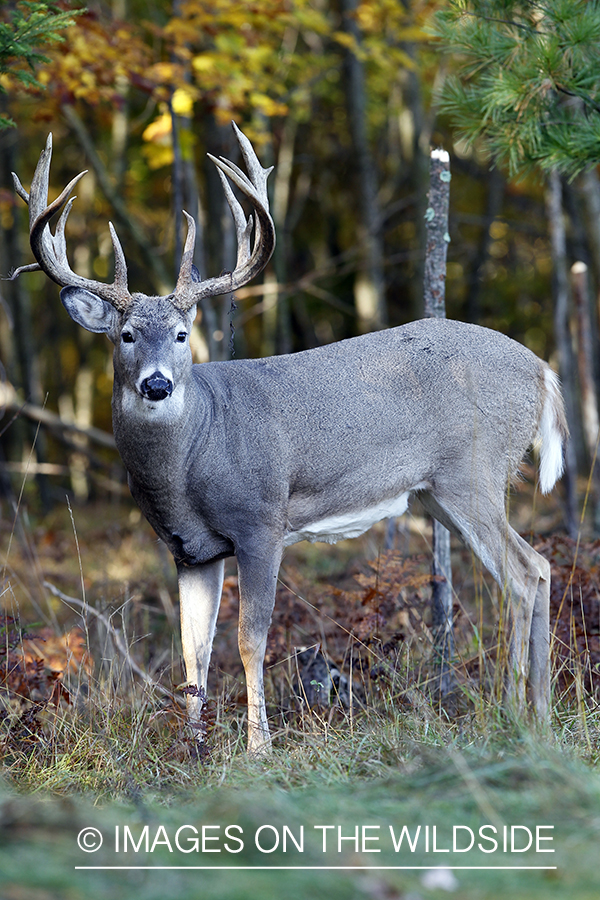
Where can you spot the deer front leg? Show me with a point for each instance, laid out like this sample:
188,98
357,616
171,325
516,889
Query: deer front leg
200,590
257,581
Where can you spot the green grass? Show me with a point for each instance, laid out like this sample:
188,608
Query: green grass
121,760
532,785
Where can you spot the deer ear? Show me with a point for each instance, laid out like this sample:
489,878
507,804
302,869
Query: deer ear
89,310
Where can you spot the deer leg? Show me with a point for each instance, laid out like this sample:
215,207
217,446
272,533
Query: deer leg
199,596
539,640
519,603
527,582
524,577
257,581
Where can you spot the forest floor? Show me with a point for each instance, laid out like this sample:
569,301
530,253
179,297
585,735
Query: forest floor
92,731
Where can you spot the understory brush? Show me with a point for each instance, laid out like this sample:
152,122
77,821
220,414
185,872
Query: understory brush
93,732
90,666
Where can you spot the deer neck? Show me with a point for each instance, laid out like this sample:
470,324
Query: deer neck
155,439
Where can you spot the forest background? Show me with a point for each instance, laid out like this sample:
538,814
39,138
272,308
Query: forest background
345,100
339,98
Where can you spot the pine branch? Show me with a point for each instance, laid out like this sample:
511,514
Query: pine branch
23,31
526,80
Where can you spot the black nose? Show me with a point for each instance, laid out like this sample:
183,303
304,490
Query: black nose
156,387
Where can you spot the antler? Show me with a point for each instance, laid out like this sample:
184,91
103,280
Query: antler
50,250
189,290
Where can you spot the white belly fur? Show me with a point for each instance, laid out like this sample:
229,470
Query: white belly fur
351,524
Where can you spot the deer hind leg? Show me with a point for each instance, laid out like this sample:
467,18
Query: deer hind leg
524,577
258,581
526,581
539,635
200,589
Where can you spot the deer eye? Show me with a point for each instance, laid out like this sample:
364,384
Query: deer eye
181,337
127,337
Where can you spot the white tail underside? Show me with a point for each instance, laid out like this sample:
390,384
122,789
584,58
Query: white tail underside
549,436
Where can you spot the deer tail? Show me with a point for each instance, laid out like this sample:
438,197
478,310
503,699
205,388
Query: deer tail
552,433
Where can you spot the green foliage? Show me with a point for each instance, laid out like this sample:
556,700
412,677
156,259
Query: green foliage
527,80
24,29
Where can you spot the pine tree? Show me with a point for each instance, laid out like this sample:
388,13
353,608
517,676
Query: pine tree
526,79
25,27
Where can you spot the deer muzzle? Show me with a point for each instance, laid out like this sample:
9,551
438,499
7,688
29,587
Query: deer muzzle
156,387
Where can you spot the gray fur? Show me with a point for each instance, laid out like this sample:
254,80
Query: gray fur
271,445
246,454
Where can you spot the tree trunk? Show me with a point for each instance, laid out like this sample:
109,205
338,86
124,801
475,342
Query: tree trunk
495,195
590,195
369,287
24,369
438,238
282,179
416,126
585,367
560,285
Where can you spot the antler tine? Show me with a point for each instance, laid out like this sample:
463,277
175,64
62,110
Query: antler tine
243,227
187,259
20,190
258,175
248,264
120,281
50,250
37,198
59,241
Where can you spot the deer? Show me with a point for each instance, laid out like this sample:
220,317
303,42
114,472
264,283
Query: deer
246,457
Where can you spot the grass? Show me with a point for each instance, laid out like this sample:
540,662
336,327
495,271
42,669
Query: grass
531,786
118,753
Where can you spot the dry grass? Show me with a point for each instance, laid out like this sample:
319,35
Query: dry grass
90,698
90,711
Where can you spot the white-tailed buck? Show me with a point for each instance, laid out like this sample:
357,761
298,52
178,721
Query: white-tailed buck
247,457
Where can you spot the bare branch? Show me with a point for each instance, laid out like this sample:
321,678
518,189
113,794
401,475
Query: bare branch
118,640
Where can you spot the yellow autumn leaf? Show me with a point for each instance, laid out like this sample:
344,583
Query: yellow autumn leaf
345,39
158,156
159,131
267,105
182,102
164,72
203,63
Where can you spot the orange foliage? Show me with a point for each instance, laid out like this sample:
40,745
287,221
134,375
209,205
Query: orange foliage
33,666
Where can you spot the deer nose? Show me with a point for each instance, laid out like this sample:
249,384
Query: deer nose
156,387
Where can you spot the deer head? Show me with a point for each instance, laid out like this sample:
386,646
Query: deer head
150,334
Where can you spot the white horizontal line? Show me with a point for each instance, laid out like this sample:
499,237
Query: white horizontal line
327,868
